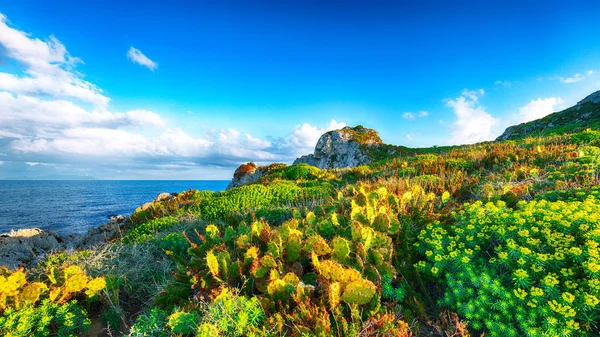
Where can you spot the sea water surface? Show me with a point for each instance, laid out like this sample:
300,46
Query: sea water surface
73,206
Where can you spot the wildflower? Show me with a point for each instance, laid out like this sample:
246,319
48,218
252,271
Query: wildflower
520,293
568,297
591,300
536,292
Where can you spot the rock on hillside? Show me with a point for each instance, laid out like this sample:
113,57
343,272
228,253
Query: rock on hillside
586,114
246,174
347,147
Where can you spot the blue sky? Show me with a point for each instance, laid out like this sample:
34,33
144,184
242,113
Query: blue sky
189,90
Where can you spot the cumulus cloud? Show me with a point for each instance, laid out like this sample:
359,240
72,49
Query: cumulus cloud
412,116
304,137
539,108
136,56
473,124
48,68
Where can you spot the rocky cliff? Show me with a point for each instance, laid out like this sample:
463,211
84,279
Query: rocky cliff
586,114
347,147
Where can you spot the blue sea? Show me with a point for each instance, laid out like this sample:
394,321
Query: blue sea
73,206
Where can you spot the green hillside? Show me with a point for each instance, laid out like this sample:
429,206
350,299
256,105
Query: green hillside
586,114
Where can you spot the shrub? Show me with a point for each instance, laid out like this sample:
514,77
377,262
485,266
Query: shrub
151,324
302,172
45,308
175,243
147,231
46,319
586,137
532,271
16,292
232,315
183,323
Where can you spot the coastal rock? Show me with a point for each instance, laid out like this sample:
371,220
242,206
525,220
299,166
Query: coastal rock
164,196
161,197
343,148
245,174
103,233
23,246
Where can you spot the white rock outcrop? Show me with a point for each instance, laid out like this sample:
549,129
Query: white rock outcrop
342,148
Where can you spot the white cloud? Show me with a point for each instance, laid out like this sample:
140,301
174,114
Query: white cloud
539,108
576,78
408,116
48,68
304,137
572,79
142,118
24,114
136,56
503,83
412,116
473,124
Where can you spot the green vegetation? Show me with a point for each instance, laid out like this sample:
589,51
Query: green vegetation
531,271
497,238
46,307
571,120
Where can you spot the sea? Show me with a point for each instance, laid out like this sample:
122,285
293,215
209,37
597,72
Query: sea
73,206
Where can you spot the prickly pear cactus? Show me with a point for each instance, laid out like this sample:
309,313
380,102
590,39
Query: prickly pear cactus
318,245
382,222
213,263
311,218
293,248
359,292
334,294
341,249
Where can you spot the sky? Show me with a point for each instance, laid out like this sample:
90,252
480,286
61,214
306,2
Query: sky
190,90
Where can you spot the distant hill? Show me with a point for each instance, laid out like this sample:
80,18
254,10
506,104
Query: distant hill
586,114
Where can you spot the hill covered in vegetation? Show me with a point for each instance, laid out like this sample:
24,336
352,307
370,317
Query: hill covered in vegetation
496,239
586,114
